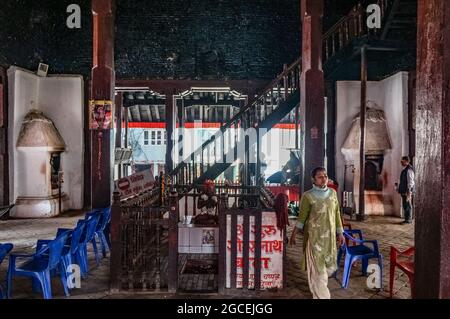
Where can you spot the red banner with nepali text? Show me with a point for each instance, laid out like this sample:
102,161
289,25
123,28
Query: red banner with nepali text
272,248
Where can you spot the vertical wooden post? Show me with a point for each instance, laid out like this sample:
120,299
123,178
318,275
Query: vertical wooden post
312,90
258,178
362,142
102,88
297,122
257,260
170,126
285,82
181,141
223,204
118,105
331,127
125,142
4,166
432,200
173,243
246,249
116,245
247,164
234,248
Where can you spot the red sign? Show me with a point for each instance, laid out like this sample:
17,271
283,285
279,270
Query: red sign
135,184
123,184
271,253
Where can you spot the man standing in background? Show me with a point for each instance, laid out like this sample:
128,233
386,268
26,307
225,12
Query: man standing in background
406,188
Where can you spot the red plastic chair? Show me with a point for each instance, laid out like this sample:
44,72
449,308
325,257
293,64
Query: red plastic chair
404,260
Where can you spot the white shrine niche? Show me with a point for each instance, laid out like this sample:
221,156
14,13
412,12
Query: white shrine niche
39,150
378,143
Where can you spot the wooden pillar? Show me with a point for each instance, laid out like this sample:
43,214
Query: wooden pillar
118,109
312,90
4,166
118,106
170,126
258,179
173,243
182,121
116,245
102,88
432,200
330,88
247,163
362,141
125,142
223,205
411,115
297,124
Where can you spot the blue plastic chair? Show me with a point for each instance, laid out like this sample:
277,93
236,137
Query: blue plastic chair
39,265
89,237
69,252
4,251
102,229
76,244
359,251
41,243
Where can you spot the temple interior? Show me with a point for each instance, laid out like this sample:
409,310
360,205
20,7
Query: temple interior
161,149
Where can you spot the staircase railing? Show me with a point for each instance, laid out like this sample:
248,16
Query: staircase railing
351,27
278,91
251,115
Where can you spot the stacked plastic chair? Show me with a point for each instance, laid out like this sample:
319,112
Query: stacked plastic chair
102,230
39,266
88,236
69,254
5,249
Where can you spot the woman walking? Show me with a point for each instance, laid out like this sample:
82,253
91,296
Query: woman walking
320,222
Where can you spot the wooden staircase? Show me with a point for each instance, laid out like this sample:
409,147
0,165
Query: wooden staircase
262,113
282,95
398,18
401,20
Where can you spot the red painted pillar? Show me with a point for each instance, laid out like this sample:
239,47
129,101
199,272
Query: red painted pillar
312,105
432,201
102,88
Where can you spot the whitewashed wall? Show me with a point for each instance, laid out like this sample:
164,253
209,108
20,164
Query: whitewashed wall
61,98
391,95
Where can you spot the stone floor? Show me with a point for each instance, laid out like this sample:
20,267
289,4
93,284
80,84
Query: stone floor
387,230
197,282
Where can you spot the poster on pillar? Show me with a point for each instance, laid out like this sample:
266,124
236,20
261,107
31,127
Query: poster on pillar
100,115
272,248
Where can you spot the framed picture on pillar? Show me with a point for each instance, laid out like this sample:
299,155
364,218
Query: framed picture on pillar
100,115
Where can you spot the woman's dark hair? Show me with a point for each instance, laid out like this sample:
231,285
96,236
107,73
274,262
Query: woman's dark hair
317,170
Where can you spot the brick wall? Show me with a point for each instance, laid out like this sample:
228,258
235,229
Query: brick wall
204,39
33,31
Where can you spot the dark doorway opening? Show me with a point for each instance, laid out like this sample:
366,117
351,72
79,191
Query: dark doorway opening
373,169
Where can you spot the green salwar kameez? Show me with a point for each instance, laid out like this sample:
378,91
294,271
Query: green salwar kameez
321,221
